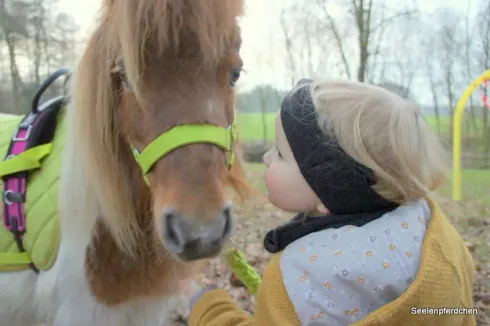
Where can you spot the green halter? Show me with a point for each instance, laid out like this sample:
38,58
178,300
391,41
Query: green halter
183,135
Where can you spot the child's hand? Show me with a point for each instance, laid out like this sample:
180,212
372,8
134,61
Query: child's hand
199,294
193,291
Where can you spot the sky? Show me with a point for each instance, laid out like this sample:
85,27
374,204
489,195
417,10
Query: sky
260,28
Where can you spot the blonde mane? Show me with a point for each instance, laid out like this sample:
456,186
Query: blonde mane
127,31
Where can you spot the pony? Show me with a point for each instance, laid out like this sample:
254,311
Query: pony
129,240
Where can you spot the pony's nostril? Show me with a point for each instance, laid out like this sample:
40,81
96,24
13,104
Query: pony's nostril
170,228
228,221
171,231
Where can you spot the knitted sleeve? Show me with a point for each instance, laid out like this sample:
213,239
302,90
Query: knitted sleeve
273,305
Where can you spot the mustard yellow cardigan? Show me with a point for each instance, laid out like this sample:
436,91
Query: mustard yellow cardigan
444,281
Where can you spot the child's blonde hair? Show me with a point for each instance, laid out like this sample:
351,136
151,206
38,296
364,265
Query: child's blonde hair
384,132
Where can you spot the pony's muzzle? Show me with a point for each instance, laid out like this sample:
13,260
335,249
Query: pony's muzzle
192,238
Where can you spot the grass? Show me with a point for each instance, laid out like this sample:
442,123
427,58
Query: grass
475,185
251,126
256,173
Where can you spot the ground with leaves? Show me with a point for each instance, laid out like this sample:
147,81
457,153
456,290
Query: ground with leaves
472,218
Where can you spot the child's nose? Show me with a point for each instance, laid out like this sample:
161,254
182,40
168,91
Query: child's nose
266,158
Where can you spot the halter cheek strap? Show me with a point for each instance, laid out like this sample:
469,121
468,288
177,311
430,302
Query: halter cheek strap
183,135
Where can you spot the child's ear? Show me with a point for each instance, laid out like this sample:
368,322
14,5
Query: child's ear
322,209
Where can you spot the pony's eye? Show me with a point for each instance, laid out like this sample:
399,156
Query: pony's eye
123,77
234,76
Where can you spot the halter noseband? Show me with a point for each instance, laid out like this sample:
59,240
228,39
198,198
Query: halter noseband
184,135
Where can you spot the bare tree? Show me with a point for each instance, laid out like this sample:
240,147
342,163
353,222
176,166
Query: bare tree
371,21
398,68
38,21
63,40
332,26
483,55
429,62
447,46
288,39
12,23
32,35
468,62
263,111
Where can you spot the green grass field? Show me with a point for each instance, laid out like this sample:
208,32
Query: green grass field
251,126
475,186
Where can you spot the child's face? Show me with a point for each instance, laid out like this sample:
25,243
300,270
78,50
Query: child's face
286,187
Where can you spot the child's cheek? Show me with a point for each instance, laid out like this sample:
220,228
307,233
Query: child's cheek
269,181
276,188
273,184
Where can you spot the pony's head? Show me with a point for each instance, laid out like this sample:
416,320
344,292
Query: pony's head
152,65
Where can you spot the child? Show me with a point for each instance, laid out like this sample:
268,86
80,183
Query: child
369,246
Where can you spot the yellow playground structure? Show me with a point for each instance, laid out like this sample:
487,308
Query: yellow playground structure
457,125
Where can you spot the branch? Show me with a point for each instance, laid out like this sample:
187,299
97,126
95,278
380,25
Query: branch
288,44
392,18
338,40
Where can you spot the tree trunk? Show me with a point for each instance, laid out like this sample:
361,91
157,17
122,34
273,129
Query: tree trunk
14,73
10,41
263,111
363,19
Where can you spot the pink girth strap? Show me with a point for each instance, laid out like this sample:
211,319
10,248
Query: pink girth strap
14,186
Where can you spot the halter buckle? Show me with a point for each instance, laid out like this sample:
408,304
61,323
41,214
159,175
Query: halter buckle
230,155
